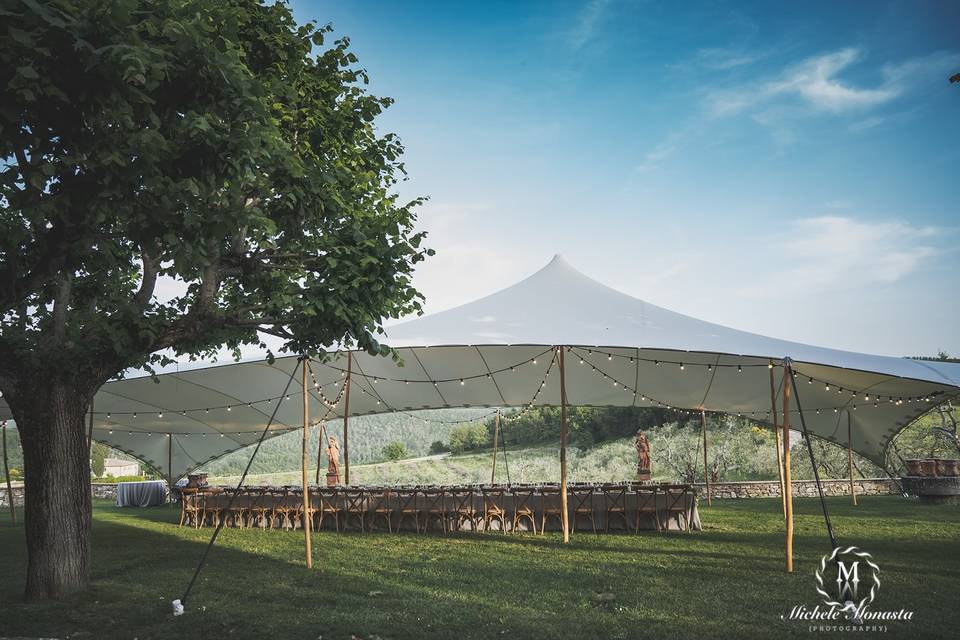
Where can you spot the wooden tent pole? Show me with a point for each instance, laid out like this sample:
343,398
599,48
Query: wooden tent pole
776,432
853,491
307,520
6,472
706,470
787,487
496,436
321,439
170,467
564,517
346,419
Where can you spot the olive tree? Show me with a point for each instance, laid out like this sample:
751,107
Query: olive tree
180,176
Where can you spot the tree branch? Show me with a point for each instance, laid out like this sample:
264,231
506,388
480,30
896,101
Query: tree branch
149,281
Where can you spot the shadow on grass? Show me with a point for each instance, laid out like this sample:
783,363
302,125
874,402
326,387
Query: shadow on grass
718,583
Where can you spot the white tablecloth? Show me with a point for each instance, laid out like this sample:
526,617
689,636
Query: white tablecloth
141,494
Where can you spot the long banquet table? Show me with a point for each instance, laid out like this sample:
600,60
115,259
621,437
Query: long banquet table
436,508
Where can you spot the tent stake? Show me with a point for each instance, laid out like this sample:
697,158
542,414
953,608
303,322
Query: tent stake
853,490
6,472
706,472
787,486
564,517
496,437
346,419
307,520
788,371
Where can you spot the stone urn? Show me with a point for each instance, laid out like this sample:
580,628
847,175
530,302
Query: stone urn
196,480
949,468
928,467
914,468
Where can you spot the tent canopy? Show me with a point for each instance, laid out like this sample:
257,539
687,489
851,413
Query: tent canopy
500,351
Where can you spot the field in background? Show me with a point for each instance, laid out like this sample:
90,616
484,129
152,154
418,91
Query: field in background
611,461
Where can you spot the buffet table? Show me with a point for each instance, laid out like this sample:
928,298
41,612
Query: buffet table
149,493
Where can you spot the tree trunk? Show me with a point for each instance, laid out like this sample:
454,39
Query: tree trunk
50,418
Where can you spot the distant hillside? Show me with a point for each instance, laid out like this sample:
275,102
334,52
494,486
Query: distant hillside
368,435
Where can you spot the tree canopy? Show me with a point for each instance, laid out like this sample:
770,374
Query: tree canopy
204,146
178,176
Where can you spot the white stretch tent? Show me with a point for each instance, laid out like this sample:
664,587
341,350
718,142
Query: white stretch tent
500,351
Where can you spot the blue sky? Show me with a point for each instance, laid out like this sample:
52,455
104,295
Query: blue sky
788,169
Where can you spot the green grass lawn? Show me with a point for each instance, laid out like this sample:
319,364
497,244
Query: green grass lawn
726,581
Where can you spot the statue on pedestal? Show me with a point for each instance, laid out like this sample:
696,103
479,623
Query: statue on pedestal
643,456
333,462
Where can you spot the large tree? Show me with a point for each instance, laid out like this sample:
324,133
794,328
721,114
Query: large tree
215,146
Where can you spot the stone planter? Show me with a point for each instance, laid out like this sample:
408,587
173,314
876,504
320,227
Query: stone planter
949,468
196,480
928,468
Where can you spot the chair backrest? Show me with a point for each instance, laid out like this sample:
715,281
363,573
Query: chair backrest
523,498
647,498
354,500
615,496
677,496
380,500
550,498
462,499
408,499
493,497
582,498
434,499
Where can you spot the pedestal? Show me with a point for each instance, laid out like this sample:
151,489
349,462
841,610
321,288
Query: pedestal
643,475
333,479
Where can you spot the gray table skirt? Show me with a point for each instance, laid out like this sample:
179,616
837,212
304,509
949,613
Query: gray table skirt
141,494
283,510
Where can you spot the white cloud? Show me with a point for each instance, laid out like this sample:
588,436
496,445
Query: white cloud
719,59
818,83
587,22
652,159
838,252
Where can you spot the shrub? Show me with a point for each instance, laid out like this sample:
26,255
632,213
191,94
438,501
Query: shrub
437,446
395,451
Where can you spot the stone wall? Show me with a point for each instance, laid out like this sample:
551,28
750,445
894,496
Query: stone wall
801,488
99,491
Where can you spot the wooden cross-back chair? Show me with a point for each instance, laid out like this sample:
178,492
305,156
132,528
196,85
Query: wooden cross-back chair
211,506
326,504
189,507
581,501
354,506
615,504
550,506
380,504
277,513
523,508
678,503
646,497
494,503
409,507
464,508
260,503
434,508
